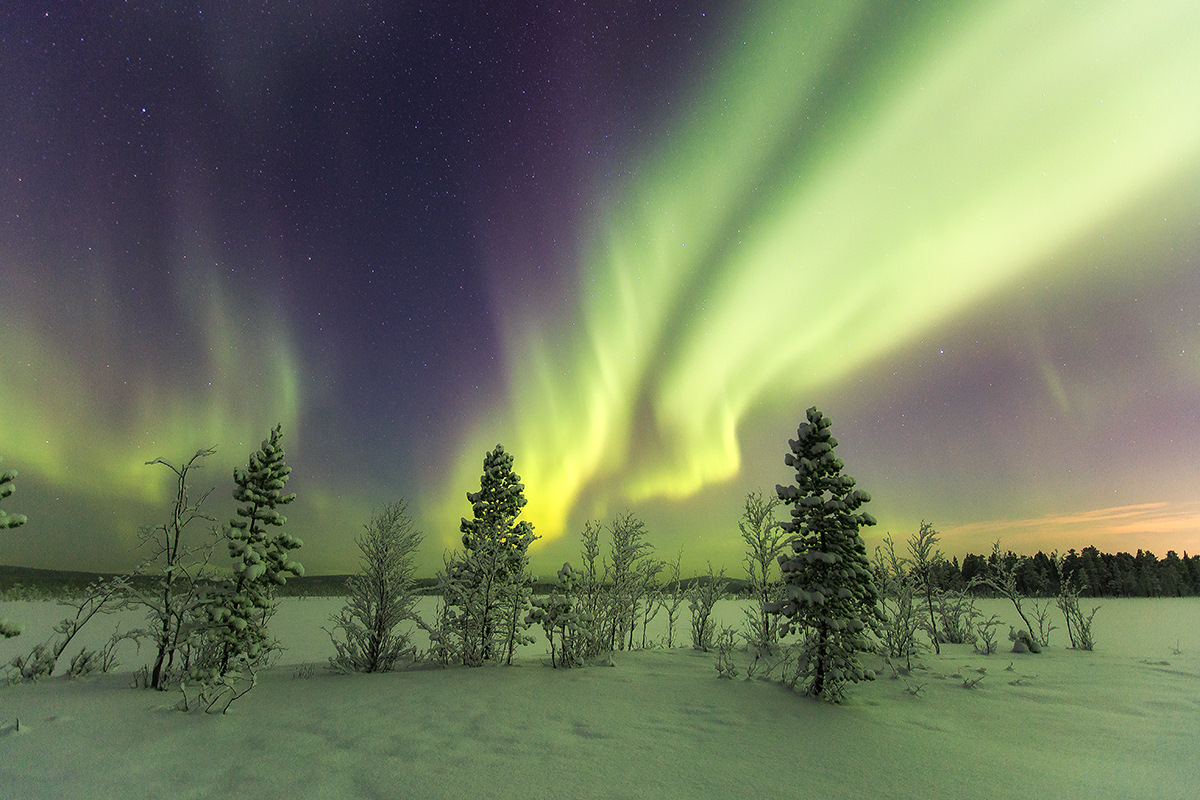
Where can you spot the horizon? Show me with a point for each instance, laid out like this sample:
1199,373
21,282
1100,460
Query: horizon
631,247
540,575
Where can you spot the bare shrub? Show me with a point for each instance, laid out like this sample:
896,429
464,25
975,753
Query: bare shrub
671,596
1041,615
764,539
704,593
626,571
1079,627
101,597
725,639
1001,577
380,597
216,694
985,644
957,615
177,615
622,593
924,558
897,600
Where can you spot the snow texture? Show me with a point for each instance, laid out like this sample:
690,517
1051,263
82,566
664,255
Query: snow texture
1119,721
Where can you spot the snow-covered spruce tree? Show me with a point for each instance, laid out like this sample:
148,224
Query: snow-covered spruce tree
8,628
830,598
7,487
380,597
241,607
174,600
764,539
487,586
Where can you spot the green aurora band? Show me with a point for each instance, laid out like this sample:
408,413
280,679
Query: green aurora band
84,416
854,174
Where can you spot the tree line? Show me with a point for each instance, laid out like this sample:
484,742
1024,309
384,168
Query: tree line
1096,574
818,603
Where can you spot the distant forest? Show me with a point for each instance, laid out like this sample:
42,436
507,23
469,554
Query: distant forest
1097,574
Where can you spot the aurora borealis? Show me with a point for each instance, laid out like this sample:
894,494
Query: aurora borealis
631,245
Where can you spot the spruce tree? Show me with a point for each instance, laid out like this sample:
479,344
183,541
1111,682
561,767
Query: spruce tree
8,628
7,487
830,597
260,555
488,584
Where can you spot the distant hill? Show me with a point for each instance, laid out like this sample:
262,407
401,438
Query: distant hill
30,582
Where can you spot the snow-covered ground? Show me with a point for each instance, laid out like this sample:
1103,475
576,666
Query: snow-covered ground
1121,721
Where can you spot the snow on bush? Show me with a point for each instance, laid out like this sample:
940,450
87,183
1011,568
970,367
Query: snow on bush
764,539
704,593
380,597
177,614
568,627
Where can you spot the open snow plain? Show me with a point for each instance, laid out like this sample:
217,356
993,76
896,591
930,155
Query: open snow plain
1121,721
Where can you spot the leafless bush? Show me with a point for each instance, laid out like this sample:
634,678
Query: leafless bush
217,693
924,557
102,596
177,615
1079,627
957,615
671,596
704,594
1001,577
897,595
764,538
626,572
725,647
986,642
1041,615
381,596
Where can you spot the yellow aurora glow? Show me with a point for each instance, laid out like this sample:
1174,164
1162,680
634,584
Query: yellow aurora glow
796,225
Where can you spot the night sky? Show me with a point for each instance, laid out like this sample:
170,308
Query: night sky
631,242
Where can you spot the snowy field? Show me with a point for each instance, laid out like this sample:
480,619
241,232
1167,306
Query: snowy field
1122,721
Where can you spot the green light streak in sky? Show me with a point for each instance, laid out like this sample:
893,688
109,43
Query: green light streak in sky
851,178
85,419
